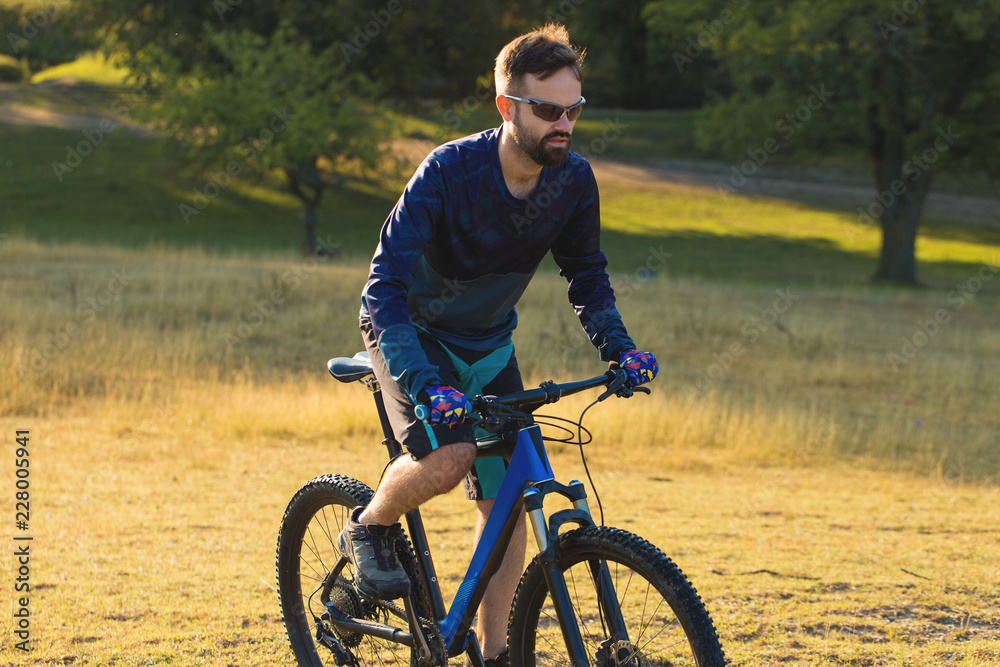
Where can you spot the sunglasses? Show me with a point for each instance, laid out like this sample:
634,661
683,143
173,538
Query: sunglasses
550,112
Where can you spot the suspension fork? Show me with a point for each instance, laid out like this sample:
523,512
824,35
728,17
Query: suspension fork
547,537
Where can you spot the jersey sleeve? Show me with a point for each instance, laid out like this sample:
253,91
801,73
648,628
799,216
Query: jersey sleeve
405,235
578,253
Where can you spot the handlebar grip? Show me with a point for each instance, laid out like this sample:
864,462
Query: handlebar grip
423,412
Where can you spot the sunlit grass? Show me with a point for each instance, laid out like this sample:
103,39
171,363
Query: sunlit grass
89,68
818,500
815,367
789,238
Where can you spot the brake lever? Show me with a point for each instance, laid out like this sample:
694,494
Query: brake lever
619,387
615,386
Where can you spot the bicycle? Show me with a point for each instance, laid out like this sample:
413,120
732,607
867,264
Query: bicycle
594,595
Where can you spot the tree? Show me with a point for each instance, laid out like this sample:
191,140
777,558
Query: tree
222,65
626,66
44,34
432,49
916,83
279,105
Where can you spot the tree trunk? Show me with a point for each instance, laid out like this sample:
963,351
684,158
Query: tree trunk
897,261
306,175
901,190
309,235
633,66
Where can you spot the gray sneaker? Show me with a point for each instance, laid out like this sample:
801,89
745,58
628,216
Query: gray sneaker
371,548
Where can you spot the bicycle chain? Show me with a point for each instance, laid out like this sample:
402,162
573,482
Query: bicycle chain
436,642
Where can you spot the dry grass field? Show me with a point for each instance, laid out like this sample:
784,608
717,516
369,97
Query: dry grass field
830,509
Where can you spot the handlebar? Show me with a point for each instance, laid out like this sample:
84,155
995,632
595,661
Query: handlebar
616,381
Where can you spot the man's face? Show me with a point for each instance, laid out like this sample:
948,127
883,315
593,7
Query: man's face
546,143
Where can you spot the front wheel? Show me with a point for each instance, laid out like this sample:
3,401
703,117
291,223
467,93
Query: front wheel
665,621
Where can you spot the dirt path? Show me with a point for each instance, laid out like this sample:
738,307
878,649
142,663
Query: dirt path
837,193
48,104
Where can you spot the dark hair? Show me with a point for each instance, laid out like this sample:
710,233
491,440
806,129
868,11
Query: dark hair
542,52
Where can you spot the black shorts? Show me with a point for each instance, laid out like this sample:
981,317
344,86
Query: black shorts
419,438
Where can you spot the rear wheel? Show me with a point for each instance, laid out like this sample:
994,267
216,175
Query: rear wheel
307,552
665,620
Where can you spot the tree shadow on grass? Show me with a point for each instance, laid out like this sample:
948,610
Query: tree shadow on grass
117,189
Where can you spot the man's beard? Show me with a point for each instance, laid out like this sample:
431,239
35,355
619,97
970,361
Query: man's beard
538,149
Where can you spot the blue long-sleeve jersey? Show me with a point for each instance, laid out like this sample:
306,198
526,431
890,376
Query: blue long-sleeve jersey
458,250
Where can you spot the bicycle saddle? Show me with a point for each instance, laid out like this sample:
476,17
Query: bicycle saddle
350,370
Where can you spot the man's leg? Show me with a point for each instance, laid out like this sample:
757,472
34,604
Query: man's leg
409,482
369,537
491,623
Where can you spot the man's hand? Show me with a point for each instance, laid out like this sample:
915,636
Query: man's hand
640,366
448,405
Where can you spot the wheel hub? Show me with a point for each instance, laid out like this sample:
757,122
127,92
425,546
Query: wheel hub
619,654
346,600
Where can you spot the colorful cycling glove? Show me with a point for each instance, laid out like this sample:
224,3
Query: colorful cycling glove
640,366
448,405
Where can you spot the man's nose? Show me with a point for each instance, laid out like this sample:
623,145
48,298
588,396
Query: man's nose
563,124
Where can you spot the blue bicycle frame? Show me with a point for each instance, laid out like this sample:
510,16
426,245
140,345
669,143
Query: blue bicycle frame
529,465
529,478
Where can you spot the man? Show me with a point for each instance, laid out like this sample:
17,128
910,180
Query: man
437,312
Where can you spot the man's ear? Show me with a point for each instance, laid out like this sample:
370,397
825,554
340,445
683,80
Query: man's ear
503,106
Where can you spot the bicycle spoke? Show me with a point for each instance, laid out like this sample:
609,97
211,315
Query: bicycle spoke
645,585
314,548
581,614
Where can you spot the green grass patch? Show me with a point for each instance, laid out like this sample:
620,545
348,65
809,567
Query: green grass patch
768,239
126,193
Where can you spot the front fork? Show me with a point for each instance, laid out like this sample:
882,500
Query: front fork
547,537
